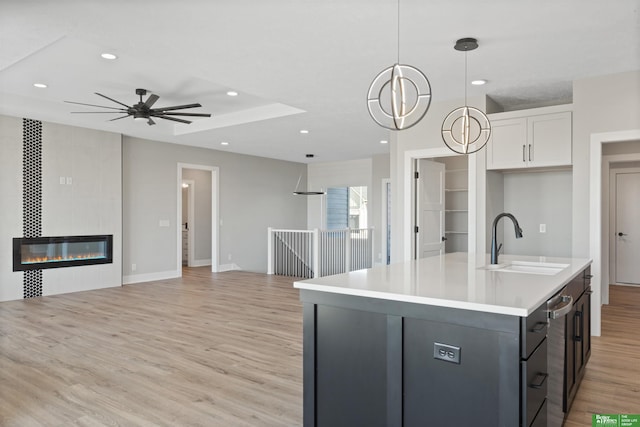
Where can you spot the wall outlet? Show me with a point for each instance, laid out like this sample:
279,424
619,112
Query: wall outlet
69,180
446,352
62,180
229,257
543,228
133,267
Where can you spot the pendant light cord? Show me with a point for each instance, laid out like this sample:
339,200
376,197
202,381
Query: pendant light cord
465,78
398,32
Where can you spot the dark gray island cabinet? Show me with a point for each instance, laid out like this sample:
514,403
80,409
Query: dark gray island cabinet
380,361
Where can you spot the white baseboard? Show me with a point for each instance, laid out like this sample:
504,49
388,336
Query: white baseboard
200,262
227,267
150,277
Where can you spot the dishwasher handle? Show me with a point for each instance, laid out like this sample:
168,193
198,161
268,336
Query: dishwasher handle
562,308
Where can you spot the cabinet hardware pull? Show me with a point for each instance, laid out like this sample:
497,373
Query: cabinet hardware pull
589,292
523,158
588,276
529,152
578,328
564,307
539,327
539,380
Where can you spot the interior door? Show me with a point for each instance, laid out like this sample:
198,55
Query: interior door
627,228
430,208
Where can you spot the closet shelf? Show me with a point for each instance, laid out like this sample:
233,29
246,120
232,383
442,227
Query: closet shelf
456,232
456,210
456,189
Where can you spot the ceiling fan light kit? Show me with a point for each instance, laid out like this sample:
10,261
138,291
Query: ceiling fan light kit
143,109
466,129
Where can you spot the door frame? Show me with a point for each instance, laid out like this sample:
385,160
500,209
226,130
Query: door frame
215,179
613,199
418,208
191,192
477,200
598,227
386,221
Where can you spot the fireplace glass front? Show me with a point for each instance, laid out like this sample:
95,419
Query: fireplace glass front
53,252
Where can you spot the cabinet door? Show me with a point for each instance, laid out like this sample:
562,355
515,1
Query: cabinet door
586,333
583,331
506,149
570,360
549,140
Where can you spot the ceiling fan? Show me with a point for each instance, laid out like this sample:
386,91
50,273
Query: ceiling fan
142,110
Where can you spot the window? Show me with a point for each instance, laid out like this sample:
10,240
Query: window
347,207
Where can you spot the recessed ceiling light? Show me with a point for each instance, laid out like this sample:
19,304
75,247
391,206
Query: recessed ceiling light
107,55
40,85
232,93
479,82
304,131
384,141
224,143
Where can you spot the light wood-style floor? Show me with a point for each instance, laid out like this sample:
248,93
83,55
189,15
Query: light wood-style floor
214,349
208,350
611,384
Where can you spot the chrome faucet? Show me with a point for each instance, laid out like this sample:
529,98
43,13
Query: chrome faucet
495,249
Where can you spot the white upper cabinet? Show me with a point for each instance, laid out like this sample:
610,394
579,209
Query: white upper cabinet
530,138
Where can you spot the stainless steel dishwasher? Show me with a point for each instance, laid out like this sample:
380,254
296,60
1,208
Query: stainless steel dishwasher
557,307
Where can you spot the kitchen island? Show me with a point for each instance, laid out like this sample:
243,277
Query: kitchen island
437,341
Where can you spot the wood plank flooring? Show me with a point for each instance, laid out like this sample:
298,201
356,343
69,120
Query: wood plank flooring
209,349
214,349
611,384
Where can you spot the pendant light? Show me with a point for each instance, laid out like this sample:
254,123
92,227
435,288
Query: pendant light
466,129
306,193
400,95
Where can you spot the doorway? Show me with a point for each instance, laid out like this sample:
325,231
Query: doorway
441,201
187,221
599,247
202,221
624,230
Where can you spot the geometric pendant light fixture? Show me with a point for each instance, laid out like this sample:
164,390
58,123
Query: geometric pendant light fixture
400,95
466,129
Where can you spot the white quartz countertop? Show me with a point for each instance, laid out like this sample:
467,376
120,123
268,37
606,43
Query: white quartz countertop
456,280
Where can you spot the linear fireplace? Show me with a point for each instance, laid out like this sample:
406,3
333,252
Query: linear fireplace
35,253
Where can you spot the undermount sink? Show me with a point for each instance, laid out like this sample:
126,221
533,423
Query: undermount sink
528,267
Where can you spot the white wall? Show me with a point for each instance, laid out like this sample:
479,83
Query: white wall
536,198
90,204
254,193
11,211
601,104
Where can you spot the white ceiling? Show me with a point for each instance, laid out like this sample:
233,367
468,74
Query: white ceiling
297,64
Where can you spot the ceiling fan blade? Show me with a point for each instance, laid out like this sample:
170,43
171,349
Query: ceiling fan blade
188,114
172,119
177,107
150,122
94,105
151,100
111,99
97,112
118,118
